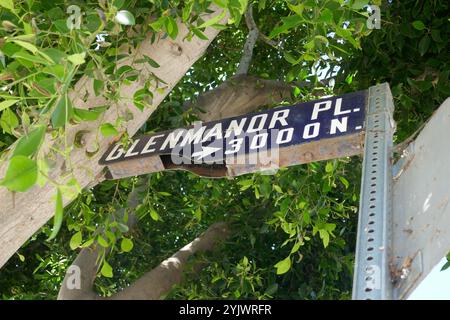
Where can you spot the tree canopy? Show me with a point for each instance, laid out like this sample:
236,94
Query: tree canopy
291,233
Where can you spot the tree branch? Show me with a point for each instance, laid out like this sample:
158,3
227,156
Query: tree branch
86,261
160,280
250,42
31,210
240,95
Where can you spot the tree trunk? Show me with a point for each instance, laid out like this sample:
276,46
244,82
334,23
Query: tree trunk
152,285
159,281
23,214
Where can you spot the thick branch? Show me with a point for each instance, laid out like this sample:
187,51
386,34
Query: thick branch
86,261
240,95
21,218
160,280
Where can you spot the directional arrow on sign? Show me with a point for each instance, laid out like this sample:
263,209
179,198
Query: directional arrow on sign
206,151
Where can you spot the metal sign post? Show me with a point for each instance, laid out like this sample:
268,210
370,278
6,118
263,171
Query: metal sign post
372,279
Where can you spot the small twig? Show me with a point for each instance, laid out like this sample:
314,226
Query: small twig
269,41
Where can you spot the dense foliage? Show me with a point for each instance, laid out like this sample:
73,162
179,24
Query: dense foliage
294,231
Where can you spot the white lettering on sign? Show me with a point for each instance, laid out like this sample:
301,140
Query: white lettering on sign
117,148
172,138
340,125
193,135
259,141
318,108
235,145
150,143
289,133
279,116
262,121
337,108
215,132
234,128
307,134
250,133
130,152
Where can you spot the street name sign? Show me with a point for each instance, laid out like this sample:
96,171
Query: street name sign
316,130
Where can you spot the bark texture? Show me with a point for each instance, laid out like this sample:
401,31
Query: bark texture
23,214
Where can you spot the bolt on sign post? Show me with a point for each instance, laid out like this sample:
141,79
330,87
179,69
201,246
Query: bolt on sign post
328,128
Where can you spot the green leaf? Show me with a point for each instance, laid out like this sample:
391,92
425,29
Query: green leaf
8,4
158,24
212,21
77,58
122,227
306,217
186,11
21,257
277,188
283,266
424,44
296,247
59,214
245,184
118,3
126,245
76,240
171,27
199,34
290,58
101,241
28,57
21,174
63,112
98,87
445,266
344,182
419,25
272,289
288,23
329,167
198,214
54,54
151,62
106,270
435,34
30,47
7,103
359,4
298,9
88,243
326,16
27,145
125,18
324,235
88,114
155,216
9,121
107,130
